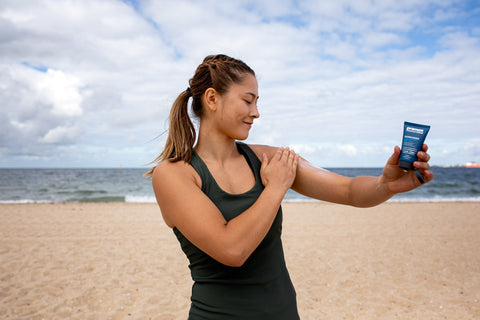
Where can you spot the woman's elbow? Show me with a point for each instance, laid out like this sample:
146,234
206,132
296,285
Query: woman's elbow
234,263
233,258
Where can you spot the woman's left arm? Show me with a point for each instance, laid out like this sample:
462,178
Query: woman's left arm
365,191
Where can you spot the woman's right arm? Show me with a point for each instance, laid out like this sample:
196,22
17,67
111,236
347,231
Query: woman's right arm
186,207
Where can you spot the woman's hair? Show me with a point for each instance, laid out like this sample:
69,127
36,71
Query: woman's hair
216,71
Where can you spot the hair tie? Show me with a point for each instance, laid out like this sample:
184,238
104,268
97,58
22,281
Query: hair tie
188,91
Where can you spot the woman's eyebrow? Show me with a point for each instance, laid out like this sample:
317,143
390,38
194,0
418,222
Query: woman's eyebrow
254,96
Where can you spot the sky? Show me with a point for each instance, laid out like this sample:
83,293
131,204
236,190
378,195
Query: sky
89,83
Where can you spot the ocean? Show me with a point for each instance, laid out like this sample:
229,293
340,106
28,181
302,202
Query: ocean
128,185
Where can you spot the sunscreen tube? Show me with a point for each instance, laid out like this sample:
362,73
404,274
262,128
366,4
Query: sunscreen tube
413,137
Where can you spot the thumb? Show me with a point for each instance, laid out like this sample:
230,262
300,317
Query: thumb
263,167
264,161
394,158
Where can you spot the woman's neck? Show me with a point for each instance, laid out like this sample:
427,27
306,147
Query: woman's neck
212,147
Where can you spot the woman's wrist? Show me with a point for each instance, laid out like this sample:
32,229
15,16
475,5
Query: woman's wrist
383,187
274,193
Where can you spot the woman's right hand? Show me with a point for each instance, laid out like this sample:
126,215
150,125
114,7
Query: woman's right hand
201,222
280,171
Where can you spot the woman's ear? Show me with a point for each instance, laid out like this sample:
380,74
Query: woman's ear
211,99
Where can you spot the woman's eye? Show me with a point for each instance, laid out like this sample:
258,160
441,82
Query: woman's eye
248,102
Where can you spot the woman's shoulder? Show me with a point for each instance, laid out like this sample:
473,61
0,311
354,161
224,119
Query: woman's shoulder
260,149
167,170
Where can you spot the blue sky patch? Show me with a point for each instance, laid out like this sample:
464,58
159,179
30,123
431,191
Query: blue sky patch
38,67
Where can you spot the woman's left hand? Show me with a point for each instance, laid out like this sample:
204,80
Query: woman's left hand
398,180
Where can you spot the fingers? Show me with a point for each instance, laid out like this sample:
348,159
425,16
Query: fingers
423,158
428,175
289,156
278,154
293,158
280,170
286,157
421,163
285,152
423,176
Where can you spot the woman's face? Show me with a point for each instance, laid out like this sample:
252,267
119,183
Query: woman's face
238,108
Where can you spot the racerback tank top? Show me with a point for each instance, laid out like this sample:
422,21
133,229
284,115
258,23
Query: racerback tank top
261,287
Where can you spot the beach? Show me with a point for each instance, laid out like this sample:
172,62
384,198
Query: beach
400,260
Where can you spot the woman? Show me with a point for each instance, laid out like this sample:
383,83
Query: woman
222,197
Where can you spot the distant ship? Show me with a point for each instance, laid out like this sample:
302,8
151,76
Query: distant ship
472,165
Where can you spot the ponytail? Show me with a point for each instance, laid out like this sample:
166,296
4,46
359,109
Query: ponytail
181,134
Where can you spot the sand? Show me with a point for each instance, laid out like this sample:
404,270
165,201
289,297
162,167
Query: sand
119,261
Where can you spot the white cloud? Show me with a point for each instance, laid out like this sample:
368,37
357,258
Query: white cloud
337,79
59,90
60,135
39,109
348,149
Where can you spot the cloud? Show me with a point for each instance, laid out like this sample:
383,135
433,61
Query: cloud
39,108
60,135
472,148
95,79
59,90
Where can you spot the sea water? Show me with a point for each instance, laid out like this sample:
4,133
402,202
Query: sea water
129,185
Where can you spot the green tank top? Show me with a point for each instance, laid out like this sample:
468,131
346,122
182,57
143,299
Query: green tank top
261,287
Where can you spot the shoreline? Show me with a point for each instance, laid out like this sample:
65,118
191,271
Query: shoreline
390,201
115,260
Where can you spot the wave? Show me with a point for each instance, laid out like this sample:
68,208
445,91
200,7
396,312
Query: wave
71,200
140,199
151,199
395,200
436,199
24,201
